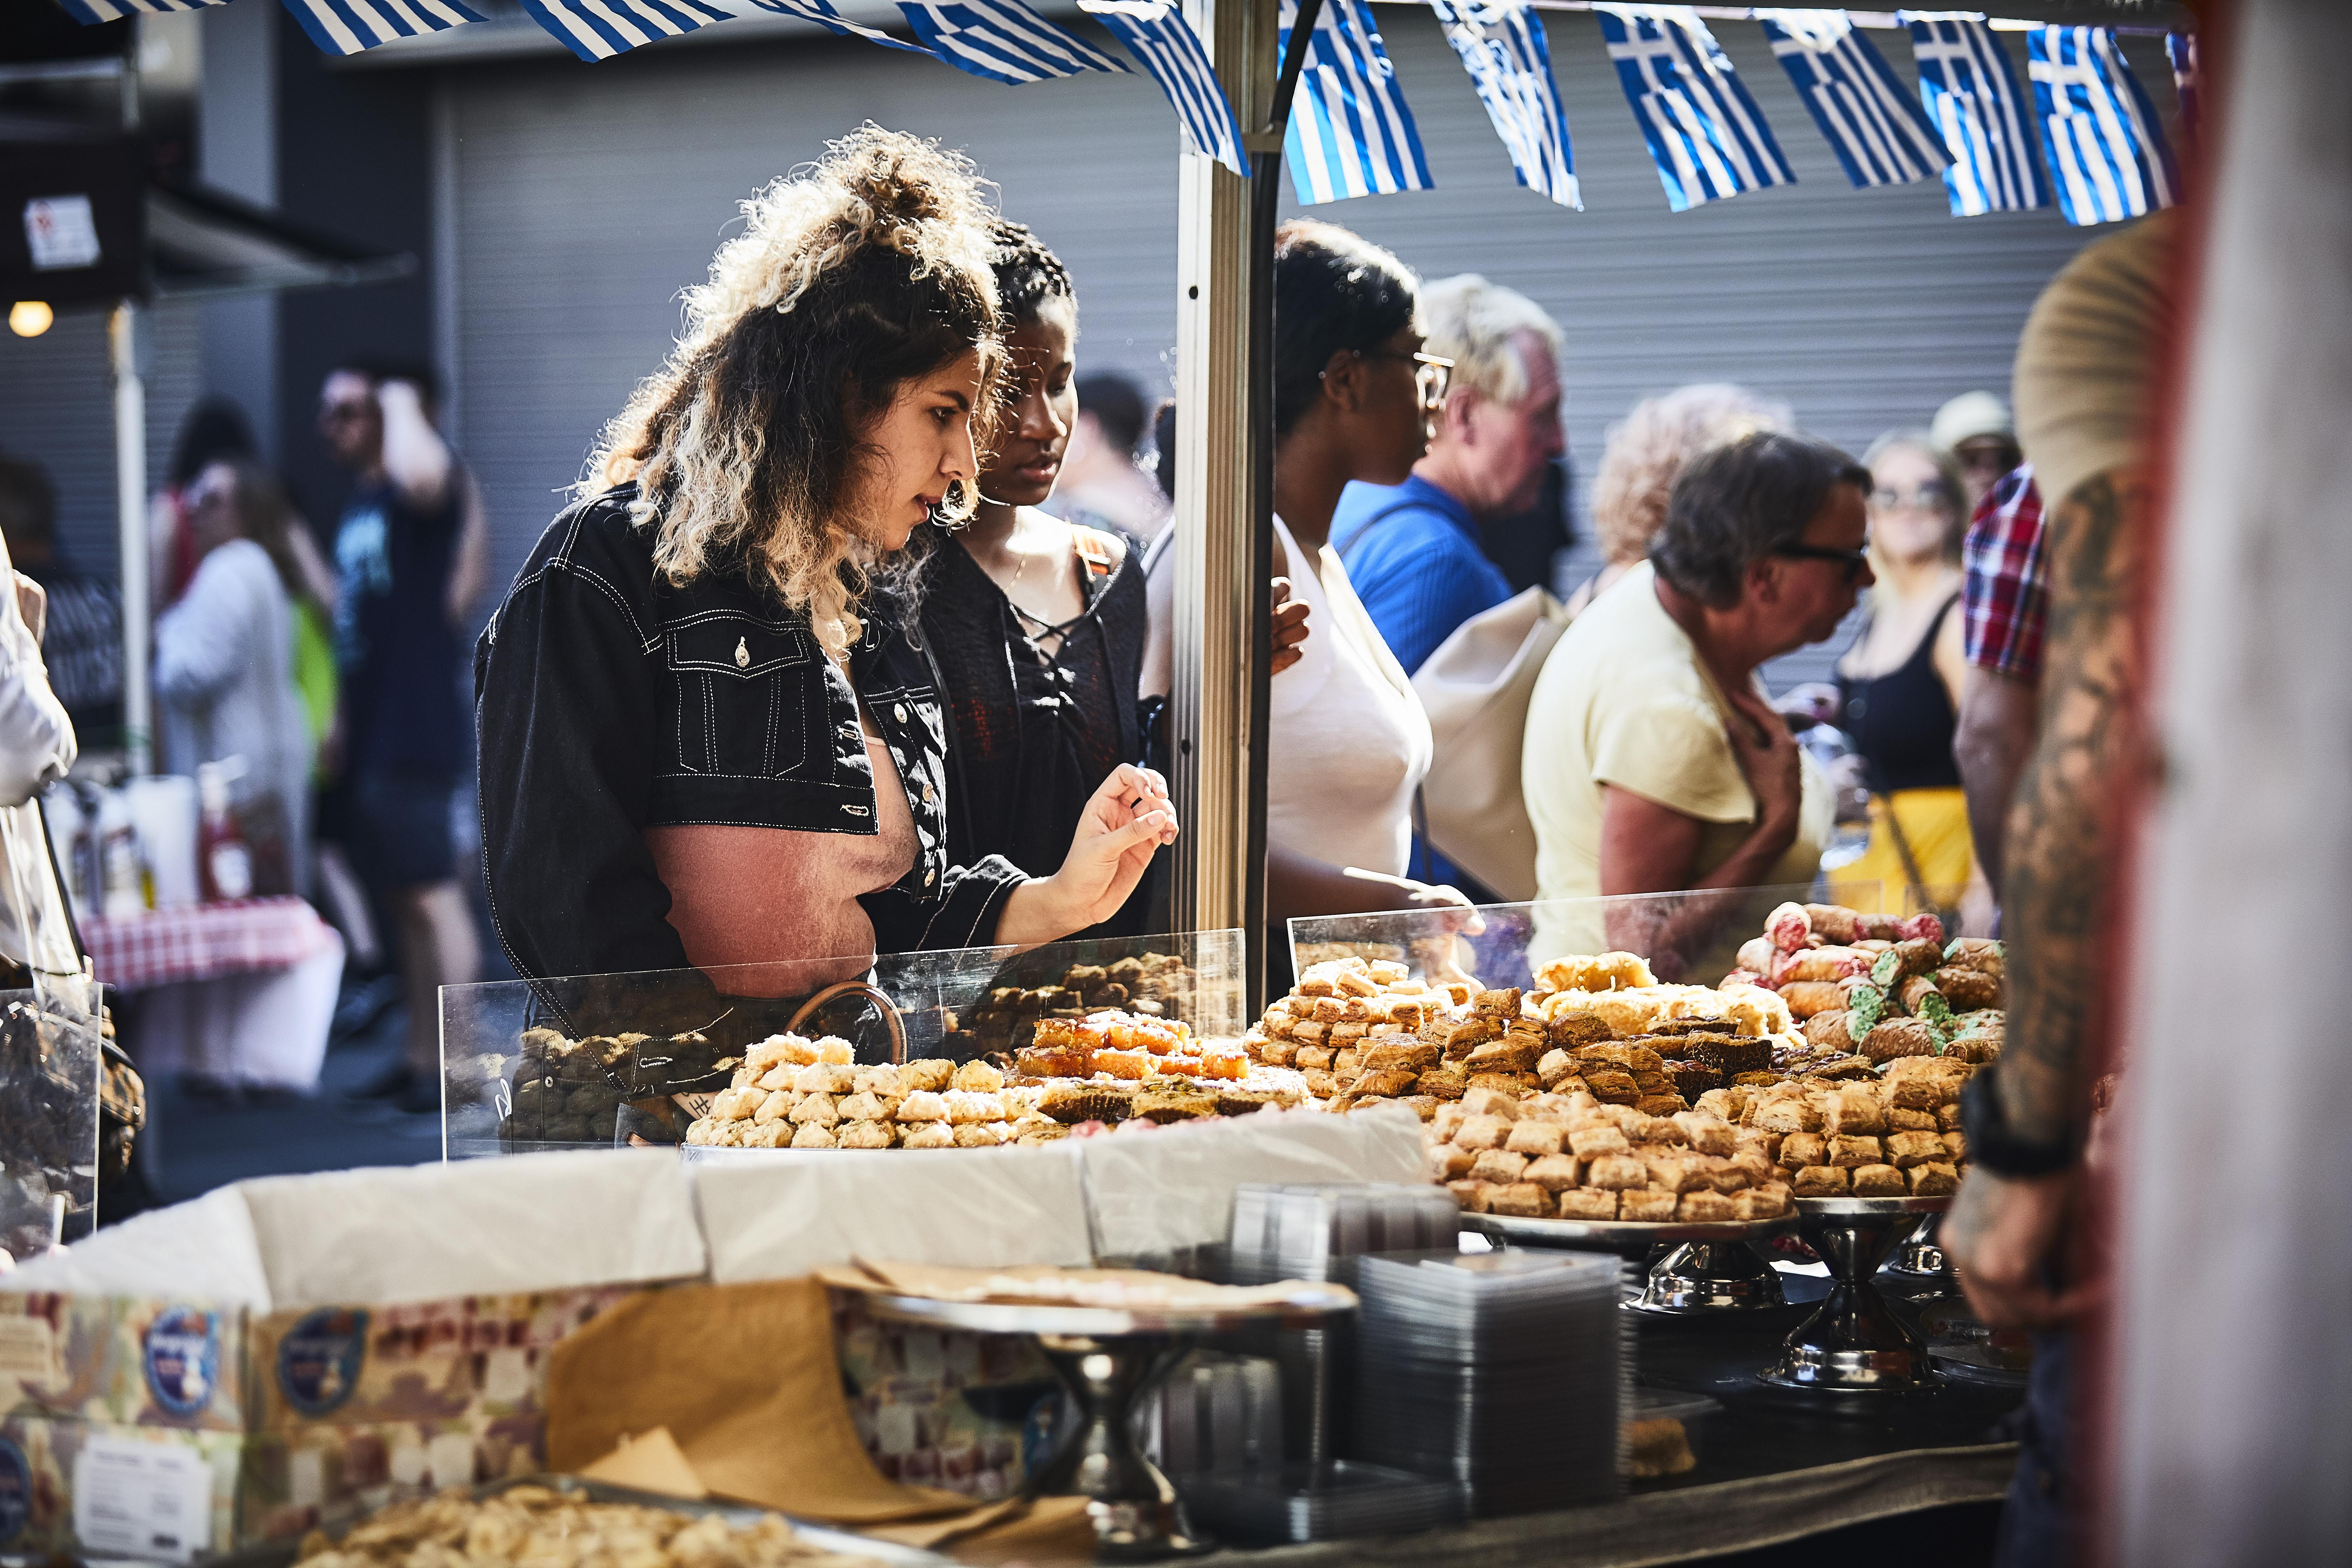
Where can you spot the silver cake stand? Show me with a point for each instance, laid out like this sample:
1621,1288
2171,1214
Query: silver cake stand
1920,1256
1694,1270
1108,1359
1852,1343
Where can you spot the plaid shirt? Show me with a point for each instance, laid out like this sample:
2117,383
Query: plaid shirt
2006,605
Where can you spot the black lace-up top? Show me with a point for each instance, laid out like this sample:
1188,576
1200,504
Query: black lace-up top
1042,714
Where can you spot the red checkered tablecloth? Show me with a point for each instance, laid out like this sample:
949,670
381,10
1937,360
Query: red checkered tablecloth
204,942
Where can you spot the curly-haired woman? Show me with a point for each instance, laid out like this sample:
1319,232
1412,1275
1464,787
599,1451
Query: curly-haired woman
711,733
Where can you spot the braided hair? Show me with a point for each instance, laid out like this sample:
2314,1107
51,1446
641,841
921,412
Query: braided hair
1027,273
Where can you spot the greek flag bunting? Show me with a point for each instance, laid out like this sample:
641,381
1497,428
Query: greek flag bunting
1156,33
91,13
2107,152
1706,134
1970,92
347,26
1350,134
2188,77
1002,40
1881,135
823,15
599,29
1502,47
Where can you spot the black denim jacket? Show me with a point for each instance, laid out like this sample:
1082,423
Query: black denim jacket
608,701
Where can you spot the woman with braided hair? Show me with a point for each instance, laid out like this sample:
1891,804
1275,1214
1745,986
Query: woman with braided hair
1039,622
711,733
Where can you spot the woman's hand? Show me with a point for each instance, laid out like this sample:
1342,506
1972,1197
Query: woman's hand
1814,702
1123,825
1289,630
1766,753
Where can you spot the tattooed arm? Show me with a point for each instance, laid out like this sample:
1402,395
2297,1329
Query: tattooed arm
2064,833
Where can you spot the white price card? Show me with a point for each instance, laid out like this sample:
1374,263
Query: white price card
61,232
149,1500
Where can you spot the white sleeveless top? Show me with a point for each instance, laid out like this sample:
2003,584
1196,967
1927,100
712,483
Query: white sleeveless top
1350,744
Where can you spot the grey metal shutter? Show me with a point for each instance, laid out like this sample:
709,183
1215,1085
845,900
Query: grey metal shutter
584,200
57,406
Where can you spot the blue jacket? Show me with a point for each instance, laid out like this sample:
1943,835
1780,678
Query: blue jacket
1413,552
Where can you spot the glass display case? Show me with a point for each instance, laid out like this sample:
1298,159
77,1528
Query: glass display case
48,1122
1687,938
590,1062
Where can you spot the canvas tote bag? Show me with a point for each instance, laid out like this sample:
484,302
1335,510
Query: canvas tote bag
1476,688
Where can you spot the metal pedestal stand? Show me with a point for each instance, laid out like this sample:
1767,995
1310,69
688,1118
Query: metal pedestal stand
1108,1359
1920,1256
1710,1277
1852,1343
1694,1268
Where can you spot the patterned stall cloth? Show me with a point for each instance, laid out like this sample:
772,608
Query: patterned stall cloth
203,943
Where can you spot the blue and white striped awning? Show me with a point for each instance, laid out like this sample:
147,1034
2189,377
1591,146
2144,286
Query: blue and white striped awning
1503,47
1704,132
2108,154
1870,120
2089,124
1350,134
1970,90
1156,33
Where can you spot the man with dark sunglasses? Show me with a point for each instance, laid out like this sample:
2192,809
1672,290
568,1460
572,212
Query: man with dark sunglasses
1653,761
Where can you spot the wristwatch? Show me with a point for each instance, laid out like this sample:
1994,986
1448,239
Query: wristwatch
1993,1147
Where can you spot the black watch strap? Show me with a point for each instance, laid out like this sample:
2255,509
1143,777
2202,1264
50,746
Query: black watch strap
1992,1147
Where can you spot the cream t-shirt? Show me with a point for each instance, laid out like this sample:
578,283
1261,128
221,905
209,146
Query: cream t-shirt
1624,700
1349,743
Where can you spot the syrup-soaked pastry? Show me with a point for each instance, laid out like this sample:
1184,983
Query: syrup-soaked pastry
1555,1173
1536,1138
1588,1204
1878,1182
1822,1182
1525,1199
1651,1206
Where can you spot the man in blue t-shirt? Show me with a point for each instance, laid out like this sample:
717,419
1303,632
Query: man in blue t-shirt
1412,549
412,556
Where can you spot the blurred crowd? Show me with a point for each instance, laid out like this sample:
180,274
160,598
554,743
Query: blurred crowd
1468,709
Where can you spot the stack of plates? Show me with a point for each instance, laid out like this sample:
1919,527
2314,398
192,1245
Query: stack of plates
1318,1232
1326,1502
1504,1372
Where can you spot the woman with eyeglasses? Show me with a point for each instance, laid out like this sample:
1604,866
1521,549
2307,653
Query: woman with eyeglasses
1354,391
1898,688
1653,761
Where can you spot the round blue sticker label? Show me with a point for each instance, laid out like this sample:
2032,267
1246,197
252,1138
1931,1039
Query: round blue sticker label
16,1492
181,1352
319,1360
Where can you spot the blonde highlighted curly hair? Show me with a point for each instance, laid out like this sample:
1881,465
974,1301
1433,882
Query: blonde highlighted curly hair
852,275
1644,454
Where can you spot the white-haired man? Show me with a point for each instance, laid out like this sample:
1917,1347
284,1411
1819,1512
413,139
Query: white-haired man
1412,549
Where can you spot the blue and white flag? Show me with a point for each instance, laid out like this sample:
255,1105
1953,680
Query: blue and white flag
1502,47
2107,152
91,13
822,13
1350,134
1706,134
1970,92
599,29
2187,78
1002,40
347,26
1156,33
1877,129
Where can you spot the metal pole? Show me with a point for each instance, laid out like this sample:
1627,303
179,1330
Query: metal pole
1209,710
130,529
1224,486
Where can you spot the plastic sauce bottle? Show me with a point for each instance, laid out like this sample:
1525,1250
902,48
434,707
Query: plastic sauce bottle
223,860
123,875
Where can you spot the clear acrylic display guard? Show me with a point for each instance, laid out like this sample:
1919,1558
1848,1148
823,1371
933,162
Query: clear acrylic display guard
48,1122
599,1044
1687,938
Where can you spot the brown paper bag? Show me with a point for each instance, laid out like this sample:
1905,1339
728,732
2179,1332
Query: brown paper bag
745,1379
